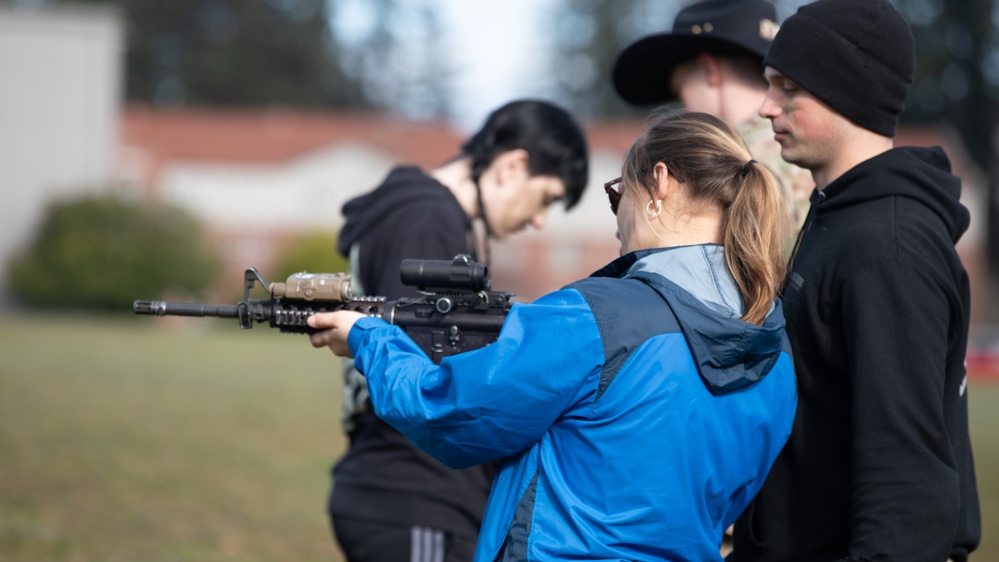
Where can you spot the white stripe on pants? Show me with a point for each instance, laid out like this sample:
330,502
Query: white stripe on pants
426,545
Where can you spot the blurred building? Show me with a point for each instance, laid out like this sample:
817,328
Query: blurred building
256,178
60,93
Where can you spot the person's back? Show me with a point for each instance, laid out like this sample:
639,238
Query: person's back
707,431
389,499
877,302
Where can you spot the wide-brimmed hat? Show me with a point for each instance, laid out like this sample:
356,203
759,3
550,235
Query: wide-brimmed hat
642,71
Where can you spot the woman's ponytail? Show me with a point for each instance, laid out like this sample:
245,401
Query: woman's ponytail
712,162
754,237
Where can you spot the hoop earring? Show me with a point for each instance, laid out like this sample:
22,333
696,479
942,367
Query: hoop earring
659,208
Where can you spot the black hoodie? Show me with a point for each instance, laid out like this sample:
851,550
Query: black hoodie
410,215
879,464
383,478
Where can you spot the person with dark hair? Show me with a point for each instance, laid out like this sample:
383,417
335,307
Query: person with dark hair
390,501
634,413
879,464
712,61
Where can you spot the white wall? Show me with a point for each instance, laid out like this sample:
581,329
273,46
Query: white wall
300,194
60,90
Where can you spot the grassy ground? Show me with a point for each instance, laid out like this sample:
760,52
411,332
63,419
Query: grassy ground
124,441
984,418
128,439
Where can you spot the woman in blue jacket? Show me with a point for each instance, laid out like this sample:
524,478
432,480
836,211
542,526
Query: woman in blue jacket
635,412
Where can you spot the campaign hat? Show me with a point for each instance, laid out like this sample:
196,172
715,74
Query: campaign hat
722,27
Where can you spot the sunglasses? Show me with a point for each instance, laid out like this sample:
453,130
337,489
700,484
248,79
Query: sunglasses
613,189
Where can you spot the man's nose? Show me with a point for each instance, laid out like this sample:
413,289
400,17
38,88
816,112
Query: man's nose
540,218
768,109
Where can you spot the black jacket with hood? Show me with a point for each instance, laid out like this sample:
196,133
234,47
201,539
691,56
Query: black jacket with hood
383,478
879,464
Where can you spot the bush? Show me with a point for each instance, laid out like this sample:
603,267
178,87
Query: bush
100,252
314,252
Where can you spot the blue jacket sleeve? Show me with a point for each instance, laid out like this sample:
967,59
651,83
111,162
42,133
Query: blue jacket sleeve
489,403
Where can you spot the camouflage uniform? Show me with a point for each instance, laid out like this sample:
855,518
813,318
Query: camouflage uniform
759,137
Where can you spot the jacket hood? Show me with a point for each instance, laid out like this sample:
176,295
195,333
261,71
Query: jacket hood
729,354
403,186
919,173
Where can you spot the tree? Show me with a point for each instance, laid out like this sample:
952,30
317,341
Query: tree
101,252
254,53
314,252
400,59
233,52
586,40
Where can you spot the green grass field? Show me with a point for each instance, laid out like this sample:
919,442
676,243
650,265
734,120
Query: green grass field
123,440
129,439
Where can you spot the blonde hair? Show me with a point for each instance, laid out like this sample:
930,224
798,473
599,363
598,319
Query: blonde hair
715,167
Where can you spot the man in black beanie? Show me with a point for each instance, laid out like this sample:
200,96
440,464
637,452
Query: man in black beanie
879,464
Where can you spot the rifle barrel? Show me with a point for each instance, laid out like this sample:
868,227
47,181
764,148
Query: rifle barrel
162,308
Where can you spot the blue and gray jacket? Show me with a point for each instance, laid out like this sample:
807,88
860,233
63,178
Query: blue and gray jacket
635,413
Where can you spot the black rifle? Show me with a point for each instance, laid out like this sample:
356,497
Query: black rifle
458,312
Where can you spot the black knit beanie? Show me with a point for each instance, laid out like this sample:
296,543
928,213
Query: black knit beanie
857,56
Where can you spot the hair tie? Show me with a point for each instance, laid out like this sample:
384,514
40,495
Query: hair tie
745,169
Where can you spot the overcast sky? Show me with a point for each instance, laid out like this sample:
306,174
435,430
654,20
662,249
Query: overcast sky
498,52
495,45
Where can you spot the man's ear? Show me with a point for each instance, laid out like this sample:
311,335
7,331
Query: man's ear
511,166
712,68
